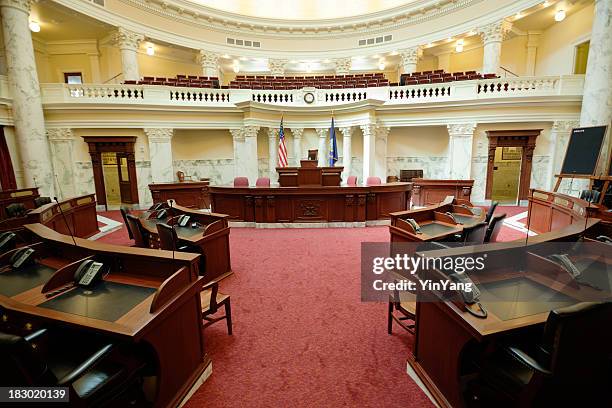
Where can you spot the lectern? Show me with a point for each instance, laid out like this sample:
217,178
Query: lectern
308,174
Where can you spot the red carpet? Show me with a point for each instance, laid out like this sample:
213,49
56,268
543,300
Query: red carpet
302,337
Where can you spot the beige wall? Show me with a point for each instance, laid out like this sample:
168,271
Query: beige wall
164,67
417,141
202,144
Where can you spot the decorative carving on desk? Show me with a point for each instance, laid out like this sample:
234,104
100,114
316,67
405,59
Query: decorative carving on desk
371,198
248,201
349,200
361,200
310,208
467,191
259,201
271,202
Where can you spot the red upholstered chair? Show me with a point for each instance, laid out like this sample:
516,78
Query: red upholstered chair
241,182
351,181
373,181
263,182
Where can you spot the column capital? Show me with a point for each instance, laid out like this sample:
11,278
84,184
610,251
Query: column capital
127,40
564,125
237,135
208,59
368,129
23,5
159,135
461,129
297,132
347,131
60,134
495,32
342,65
277,66
382,132
272,132
250,131
322,132
410,55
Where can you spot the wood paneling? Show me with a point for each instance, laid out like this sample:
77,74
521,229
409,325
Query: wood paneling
427,192
190,194
25,196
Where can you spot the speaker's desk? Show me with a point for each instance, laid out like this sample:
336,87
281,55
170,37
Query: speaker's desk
310,203
192,194
149,301
429,191
211,234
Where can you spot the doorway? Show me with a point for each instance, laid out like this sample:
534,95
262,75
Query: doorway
114,169
506,175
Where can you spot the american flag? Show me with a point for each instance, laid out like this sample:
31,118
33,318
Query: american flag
282,149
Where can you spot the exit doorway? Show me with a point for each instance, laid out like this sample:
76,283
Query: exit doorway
506,175
116,178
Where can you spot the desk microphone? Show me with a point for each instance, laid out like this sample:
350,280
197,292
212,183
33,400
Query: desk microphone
65,221
171,202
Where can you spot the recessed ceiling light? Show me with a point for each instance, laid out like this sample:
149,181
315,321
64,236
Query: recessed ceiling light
34,26
326,61
560,15
429,45
225,56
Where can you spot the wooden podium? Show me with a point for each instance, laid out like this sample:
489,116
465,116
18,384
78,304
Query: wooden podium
308,174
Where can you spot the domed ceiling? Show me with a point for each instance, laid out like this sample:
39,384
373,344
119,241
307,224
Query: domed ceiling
302,9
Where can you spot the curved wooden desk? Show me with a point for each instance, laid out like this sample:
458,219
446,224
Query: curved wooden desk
311,203
192,194
25,196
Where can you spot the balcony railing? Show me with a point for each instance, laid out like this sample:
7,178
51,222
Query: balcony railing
518,87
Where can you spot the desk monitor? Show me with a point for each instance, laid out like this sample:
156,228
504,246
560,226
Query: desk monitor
583,150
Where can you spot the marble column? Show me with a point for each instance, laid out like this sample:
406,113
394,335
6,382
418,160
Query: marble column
342,66
323,144
597,94
62,157
409,58
297,144
277,66
492,37
209,61
460,150
444,61
347,154
369,150
559,138
245,152
380,156
128,42
272,154
160,154
26,104
533,40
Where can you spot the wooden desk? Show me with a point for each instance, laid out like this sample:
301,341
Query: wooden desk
311,204
80,213
549,211
309,175
446,334
211,235
25,196
191,194
426,191
170,305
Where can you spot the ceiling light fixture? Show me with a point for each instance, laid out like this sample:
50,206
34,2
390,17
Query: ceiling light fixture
459,46
560,15
34,26
236,67
546,4
381,65
150,49
518,15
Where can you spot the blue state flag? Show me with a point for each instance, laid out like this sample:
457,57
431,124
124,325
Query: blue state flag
333,146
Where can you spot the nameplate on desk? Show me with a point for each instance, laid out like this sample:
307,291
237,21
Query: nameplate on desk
85,200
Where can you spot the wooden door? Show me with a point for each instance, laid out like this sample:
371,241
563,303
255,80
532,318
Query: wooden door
125,184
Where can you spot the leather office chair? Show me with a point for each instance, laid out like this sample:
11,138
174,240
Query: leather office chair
351,181
406,309
490,211
15,210
263,182
592,196
40,201
140,235
571,365
168,240
494,228
211,299
373,181
241,182
124,213
92,377
475,235
313,154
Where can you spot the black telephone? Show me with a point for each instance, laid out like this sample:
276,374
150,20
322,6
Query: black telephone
156,207
470,299
183,220
22,257
7,241
566,263
451,215
89,273
604,238
161,214
415,225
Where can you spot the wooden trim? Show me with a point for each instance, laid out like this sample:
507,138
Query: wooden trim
7,174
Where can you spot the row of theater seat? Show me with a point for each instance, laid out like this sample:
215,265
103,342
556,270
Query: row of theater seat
192,81
298,82
438,76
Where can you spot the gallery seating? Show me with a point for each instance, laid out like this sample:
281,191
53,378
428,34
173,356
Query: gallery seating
439,76
241,182
321,81
191,81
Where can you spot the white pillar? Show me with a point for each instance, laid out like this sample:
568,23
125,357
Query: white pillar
409,58
492,37
347,155
533,40
444,61
245,152
323,152
297,144
597,94
559,135
209,61
160,153
272,154
460,150
277,66
342,66
128,42
94,65
26,104
369,150
380,156
61,143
